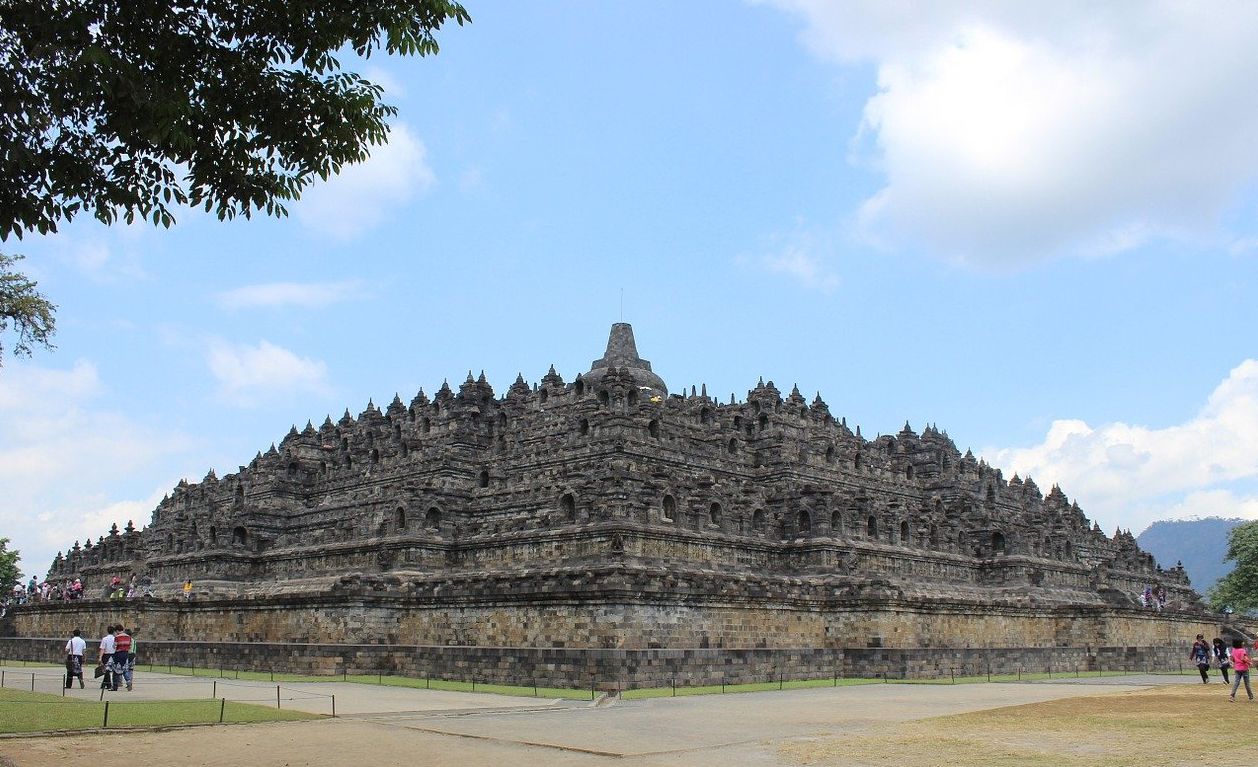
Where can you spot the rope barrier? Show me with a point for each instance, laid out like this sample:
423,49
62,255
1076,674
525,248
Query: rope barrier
10,679
19,678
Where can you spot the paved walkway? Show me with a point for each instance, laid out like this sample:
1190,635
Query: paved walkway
686,724
382,725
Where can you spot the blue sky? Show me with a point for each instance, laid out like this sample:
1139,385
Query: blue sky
1034,228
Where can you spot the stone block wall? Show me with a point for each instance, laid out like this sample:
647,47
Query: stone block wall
581,668
629,639
614,611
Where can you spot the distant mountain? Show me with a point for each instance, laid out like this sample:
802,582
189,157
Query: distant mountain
1201,544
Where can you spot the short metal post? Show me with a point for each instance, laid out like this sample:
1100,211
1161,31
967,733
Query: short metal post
105,724
333,706
953,672
277,696
32,681
222,709
592,689
214,694
674,687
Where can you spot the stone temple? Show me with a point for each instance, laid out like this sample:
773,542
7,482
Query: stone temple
606,530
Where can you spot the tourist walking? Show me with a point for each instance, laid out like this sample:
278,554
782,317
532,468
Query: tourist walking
74,658
1222,657
1200,655
131,658
122,658
107,650
1240,664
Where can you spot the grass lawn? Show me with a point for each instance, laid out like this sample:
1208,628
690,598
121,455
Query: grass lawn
22,711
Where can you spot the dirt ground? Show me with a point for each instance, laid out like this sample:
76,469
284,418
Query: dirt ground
1156,727
1128,721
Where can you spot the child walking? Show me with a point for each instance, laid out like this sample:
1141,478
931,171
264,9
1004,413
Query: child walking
1240,669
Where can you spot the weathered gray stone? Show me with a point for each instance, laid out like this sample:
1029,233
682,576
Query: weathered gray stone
606,513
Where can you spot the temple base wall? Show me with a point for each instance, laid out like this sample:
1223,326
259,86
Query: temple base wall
630,642
583,668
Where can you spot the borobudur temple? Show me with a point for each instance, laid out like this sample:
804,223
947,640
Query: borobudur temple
607,531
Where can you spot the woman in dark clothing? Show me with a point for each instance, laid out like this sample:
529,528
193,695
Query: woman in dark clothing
1222,657
1200,655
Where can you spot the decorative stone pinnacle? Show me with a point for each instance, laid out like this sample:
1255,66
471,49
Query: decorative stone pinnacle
622,352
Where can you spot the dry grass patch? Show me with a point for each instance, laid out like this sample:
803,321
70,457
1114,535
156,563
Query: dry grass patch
1149,728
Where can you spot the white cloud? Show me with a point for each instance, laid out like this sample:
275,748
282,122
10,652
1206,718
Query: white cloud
1212,503
64,460
806,267
365,194
1244,246
1009,132
1133,475
307,295
801,255
30,387
393,87
99,253
248,375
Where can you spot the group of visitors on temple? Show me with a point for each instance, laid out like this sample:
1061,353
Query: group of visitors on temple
1153,597
1218,654
47,591
51,591
115,659
137,586
68,590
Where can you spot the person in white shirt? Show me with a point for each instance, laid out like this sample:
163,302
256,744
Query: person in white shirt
74,658
107,658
